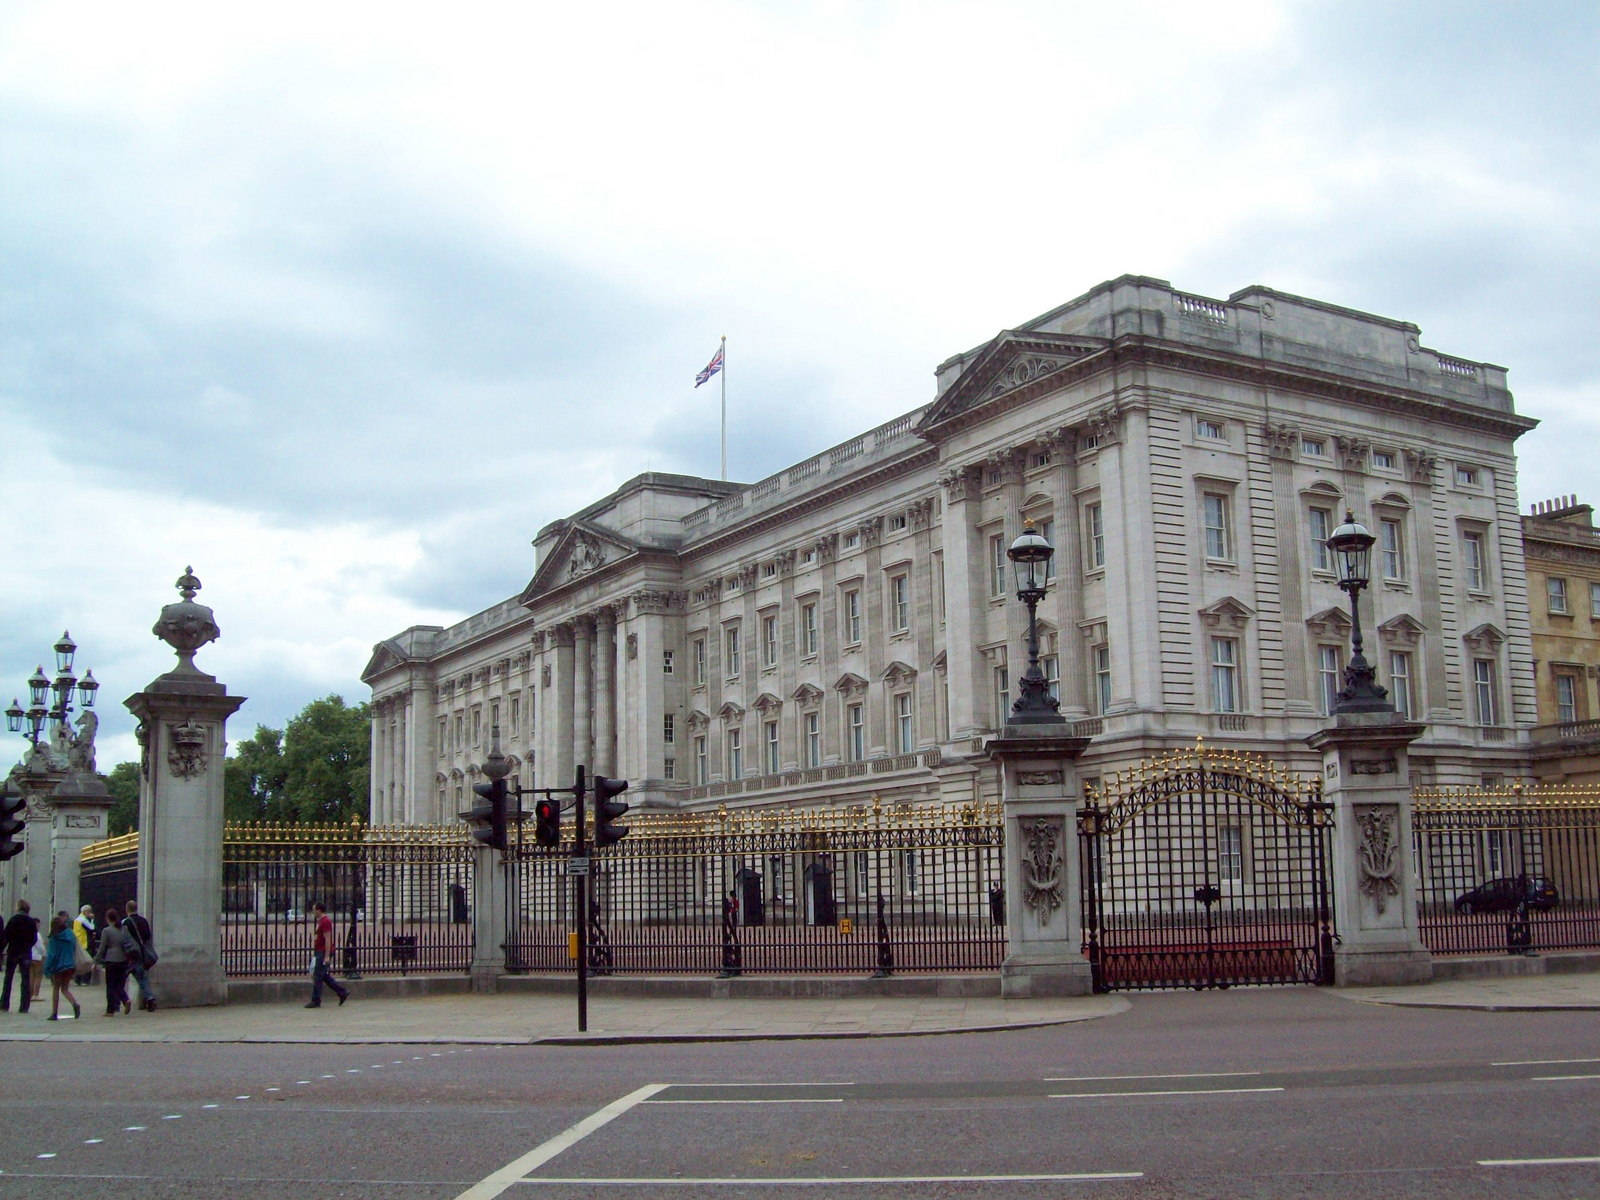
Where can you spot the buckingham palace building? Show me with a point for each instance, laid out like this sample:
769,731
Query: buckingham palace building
848,627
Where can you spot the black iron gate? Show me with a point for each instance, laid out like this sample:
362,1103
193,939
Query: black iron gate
1206,869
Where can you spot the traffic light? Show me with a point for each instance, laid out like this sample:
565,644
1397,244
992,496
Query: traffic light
607,810
547,815
11,823
488,817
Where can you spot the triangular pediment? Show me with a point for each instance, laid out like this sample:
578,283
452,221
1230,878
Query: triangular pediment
581,549
1330,623
408,647
1486,638
1016,363
807,694
768,703
849,683
898,672
1404,630
731,712
1227,613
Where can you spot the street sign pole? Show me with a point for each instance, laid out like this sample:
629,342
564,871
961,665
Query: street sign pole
580,884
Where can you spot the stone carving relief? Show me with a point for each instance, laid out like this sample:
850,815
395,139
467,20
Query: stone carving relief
633,645
1023,370
1039,778
1353,452
80,751
921,513
1420,465
82,821
827,546
1379,854
1282,440
1102,428
957,484
871,529
1042,867
587,555
186,749
658,602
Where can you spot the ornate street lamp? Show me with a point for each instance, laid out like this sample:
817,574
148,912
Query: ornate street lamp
63,691
1351,545
1030,558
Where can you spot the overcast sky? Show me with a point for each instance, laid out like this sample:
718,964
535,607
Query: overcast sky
341,302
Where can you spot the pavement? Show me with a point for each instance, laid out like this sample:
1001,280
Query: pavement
549,1015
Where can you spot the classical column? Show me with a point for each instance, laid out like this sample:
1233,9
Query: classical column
1367,779
1283,443
605,693
583,691
969,691
183,715
1044,919
558,709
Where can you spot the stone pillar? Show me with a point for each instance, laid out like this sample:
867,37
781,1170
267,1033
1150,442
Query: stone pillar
968,687
67,807
559,714
77,810
1366,778
182,719
488,919
1044,921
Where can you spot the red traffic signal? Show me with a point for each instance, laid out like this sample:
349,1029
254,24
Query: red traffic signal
547,817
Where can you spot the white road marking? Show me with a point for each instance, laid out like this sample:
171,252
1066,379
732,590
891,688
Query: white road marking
513,1172
837,1180
1546,1062
211,1106
133,1129
92,1141
768,1084
1164,1092
51,1154
1559,1078
795,1100
1192,1075
1539,1162
173,1117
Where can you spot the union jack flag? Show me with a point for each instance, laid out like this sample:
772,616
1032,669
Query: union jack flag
711,368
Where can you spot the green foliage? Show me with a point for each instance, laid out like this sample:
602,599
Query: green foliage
253,788
326,749
123,784
314,770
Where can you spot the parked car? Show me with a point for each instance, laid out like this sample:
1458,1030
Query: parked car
1503,895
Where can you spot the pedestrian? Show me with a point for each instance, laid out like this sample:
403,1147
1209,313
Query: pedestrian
38,961
21,932
113,956
322,958
61,951
83,928
142,955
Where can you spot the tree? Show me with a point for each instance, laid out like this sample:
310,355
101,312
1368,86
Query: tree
326,760
253,786
123,784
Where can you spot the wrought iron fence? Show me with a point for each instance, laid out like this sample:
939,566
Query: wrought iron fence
1508,869
398,895
869,889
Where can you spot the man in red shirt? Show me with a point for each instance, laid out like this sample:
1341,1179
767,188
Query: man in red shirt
322,959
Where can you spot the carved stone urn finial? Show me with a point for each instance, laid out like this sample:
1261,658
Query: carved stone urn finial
186,626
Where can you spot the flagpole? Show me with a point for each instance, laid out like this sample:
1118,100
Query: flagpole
724,373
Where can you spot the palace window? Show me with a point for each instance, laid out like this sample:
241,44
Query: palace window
1319,524
1314,447
1217,526
701,772
1485,692
1383,460
1566,697
669,728
1474,561
1391,548
1230,853
1329,669
698,653
905,735
1555,591
812,724
997,564
1094,536
730,651
1224,675
735,752
1102,678
808,629
900,603
855,719
769,739
666,662
1210,430
1401,692
769,640
852,616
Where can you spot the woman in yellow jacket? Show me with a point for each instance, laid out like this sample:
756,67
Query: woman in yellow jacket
83,929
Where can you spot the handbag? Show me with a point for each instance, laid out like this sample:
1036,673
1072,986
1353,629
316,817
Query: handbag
150,957
81,962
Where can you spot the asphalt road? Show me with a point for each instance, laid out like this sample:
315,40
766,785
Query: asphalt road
1245,1093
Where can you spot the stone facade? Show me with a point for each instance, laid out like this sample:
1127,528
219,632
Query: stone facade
1562,549
847,627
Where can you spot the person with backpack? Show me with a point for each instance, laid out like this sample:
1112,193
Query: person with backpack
141,953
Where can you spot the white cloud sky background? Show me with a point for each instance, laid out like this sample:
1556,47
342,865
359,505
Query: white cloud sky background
341,303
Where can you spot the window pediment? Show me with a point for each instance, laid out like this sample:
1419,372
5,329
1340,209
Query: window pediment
768,703
1330,623
1486,638
1228,614
807,694
1404,630
850,684
898,672
731,712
